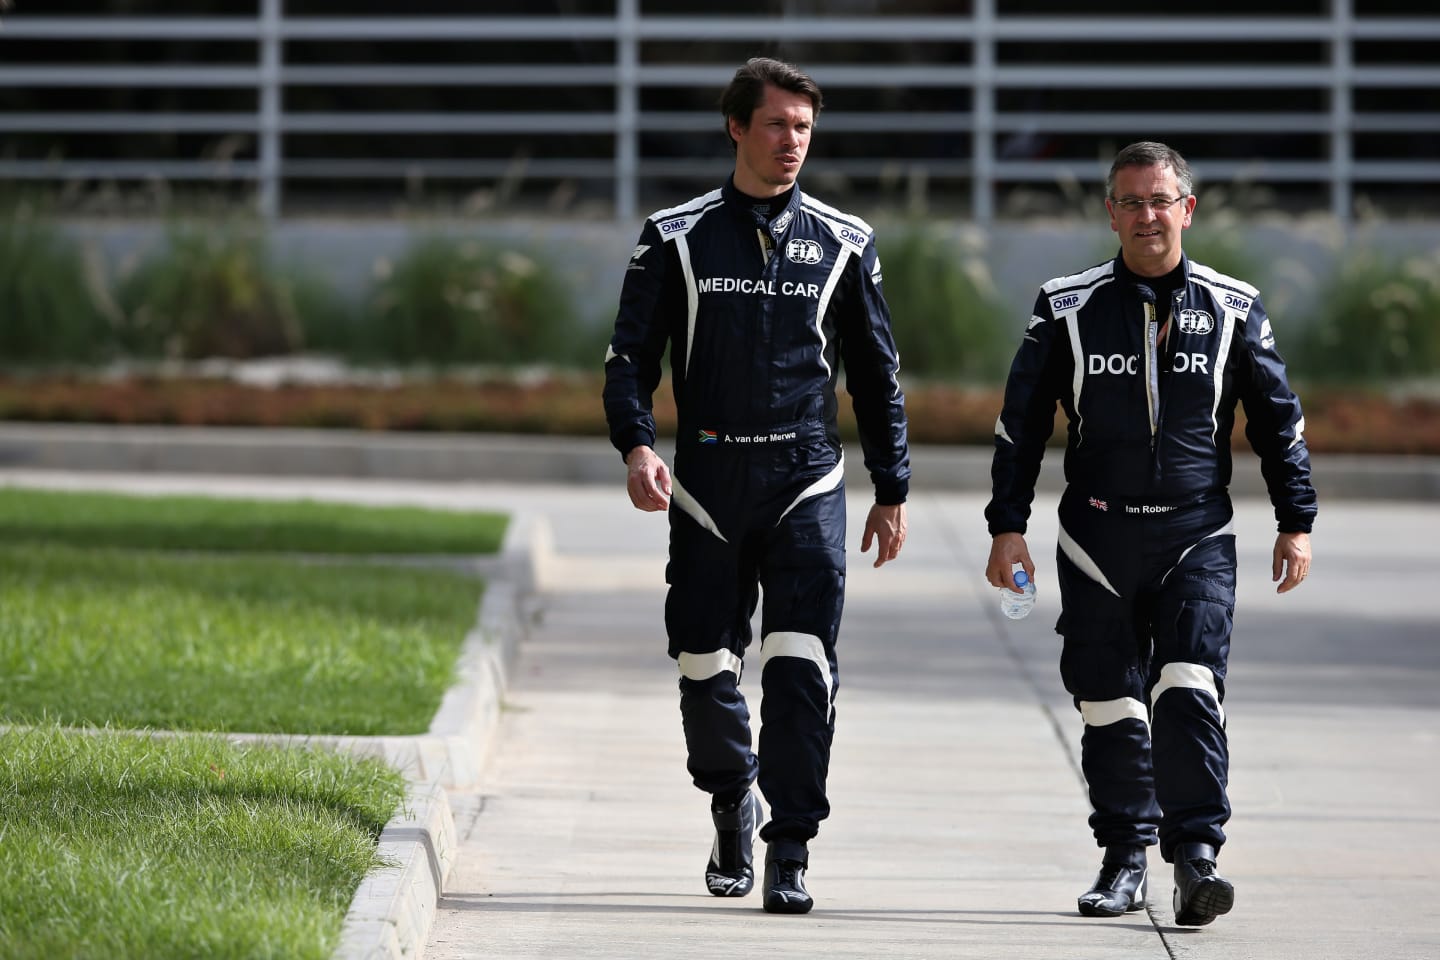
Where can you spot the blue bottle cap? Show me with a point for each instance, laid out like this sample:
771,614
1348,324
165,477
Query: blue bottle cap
1021,578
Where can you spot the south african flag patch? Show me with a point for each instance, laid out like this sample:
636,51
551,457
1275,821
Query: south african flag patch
708,436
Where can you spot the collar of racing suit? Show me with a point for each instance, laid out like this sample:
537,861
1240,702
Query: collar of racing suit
763,211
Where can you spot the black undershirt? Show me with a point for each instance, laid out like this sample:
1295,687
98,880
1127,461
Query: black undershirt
766,209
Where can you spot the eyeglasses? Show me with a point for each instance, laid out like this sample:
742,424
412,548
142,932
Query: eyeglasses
1158,204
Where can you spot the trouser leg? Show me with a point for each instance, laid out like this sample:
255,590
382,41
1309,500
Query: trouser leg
803,575
1187,689
707,617
1103,665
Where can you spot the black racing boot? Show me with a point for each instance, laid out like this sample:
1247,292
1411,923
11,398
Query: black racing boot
1120,885
731,870
785,884
1201,894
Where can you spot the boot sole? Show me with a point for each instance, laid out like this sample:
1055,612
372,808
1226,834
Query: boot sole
1210,900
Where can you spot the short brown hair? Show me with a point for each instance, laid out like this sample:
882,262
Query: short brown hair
1148,153
747,88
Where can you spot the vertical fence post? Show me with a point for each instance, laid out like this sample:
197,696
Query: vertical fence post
627,108
1342,79
982,109
268,187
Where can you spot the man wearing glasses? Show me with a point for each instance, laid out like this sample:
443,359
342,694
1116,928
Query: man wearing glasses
1148,354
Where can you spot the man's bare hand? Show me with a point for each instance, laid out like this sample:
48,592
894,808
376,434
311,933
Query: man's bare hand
1006,549
886,527
647,480
1290,557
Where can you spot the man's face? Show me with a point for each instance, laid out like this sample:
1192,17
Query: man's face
770,150
1149,235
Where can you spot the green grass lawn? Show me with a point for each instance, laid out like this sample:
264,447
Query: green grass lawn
98,625
210,523
226,643
186,614
120,846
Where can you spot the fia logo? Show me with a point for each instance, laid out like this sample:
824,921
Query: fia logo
1195,321
803,251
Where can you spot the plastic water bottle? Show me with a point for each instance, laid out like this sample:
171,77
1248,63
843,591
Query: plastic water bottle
1018,605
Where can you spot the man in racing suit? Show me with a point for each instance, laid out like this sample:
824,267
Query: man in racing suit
1148,354
760,292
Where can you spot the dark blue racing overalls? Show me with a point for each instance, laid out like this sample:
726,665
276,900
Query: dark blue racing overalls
1146,551
759,308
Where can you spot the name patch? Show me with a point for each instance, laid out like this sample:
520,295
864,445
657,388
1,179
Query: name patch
787,288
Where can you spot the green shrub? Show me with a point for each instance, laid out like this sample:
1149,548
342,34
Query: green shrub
49,298
1225,250
210,293
449,301
1378,318
329,322
947,316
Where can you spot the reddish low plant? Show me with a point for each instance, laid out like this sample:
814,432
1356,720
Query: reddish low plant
1337,421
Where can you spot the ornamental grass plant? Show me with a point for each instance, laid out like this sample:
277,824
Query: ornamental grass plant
50,303
1377,322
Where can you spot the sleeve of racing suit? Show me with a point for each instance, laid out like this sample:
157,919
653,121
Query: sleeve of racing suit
632,362
867,347
1026,421
1275,424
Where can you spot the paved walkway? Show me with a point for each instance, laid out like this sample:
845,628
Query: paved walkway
959,815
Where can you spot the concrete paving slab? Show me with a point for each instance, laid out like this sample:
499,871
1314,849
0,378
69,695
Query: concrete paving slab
959,813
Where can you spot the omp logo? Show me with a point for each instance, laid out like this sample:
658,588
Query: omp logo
1196,321
859,239
1116,363
1236,302
782,221
804,251
670,226
1065,303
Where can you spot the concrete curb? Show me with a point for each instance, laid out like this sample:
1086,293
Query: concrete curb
394,907
469,457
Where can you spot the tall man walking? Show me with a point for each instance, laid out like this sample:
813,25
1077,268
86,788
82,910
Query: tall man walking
1148,354
761,293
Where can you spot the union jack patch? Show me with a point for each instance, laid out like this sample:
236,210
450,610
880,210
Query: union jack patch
1098,504
708,436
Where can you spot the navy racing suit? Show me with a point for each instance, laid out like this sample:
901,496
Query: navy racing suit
759,308
1146,546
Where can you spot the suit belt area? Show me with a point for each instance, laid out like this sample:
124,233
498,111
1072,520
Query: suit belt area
751,434
1142,505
